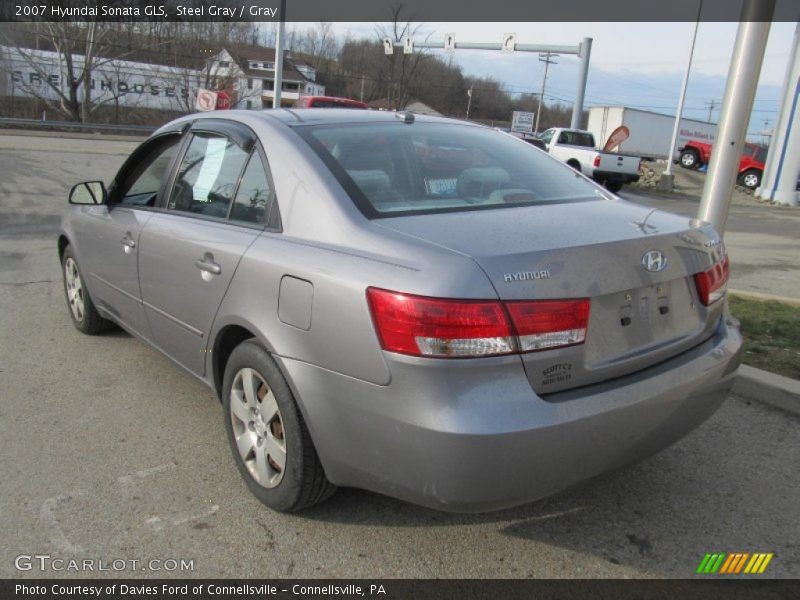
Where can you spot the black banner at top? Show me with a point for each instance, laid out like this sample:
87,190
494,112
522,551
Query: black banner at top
414,10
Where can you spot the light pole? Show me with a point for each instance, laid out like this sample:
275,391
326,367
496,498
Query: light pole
740,91
666,182
469,101
276,96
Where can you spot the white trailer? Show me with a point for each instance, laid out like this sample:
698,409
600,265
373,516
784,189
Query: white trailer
650,132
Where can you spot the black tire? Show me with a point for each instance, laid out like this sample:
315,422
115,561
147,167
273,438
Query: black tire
303,482
613,186
89,322
689,159
750,179
575,165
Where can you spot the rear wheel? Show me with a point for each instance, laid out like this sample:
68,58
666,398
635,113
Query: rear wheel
81,308
574,164
690,159
268,437
613,186
750,179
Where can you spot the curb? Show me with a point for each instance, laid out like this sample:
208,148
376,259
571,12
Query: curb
762,296
763,386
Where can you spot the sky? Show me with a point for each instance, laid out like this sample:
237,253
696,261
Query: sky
640,65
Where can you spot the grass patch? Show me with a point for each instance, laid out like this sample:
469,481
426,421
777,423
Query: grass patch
771,333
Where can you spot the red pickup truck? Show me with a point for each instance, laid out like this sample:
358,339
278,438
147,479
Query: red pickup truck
751,166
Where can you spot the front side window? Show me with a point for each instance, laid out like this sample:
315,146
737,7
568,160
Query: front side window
140,187
394,168
208,176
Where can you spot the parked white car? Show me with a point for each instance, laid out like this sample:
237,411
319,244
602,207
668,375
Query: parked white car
577,148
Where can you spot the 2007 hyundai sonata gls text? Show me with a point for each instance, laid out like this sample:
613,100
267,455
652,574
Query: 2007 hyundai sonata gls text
426,308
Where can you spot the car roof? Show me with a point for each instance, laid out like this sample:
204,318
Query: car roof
321,116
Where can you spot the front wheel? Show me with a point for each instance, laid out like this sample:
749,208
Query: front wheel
690,159
750,179
268,437
81,308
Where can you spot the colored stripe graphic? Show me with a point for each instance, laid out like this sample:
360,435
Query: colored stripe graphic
727,564
703,563
766,562
740,564
734,563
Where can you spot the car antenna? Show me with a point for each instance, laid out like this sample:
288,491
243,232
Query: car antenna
406,115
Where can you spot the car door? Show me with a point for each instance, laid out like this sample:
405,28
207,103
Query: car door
189,252
108,234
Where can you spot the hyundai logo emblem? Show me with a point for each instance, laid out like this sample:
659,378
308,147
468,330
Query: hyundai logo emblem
654,261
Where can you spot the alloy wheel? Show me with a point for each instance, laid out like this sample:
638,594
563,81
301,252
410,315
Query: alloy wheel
74,289
258,428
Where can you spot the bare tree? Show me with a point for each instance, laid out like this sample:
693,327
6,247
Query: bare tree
403,68
61,78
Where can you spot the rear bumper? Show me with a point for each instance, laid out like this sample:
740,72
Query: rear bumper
461,439
602,176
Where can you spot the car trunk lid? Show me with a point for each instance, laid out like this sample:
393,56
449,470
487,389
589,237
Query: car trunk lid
599,250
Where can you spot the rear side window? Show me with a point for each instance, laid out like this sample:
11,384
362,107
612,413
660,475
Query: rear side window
254,197
208,175
576,138
395,168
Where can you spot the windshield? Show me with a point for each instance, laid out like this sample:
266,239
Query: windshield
396,168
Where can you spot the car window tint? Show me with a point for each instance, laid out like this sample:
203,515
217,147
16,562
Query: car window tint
208,176
254,196
399,168
141,186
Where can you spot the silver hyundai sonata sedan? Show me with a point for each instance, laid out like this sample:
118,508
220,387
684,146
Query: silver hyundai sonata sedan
426,308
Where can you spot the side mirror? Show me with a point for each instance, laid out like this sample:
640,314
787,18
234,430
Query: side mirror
88,192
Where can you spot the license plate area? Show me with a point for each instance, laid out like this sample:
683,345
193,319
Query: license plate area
638,321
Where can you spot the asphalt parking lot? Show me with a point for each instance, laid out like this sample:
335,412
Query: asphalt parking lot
109,451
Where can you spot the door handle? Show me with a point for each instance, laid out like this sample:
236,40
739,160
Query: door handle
208,266
126,241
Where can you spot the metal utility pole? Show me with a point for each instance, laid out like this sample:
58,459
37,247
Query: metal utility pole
783,157
469,101
276,95
362,88
546,58
711,104
583,74
737,105
666,181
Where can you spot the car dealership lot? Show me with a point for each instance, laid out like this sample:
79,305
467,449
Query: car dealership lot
112,452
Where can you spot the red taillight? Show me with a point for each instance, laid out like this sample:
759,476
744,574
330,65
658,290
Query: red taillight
597,160
433,327
711,284
542,324
423,326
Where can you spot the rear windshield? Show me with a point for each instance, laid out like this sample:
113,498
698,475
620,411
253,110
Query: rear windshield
391,169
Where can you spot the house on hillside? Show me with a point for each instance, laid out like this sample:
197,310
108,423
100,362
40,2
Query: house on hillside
249,72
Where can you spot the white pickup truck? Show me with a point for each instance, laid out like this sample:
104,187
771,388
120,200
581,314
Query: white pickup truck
577,148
